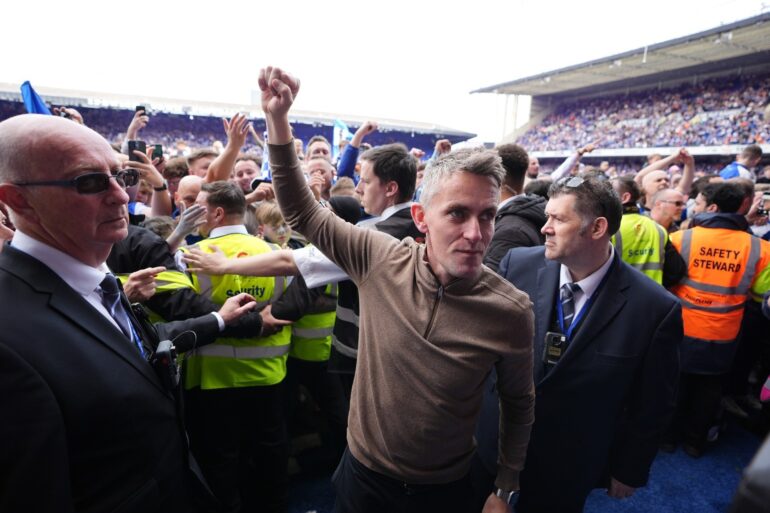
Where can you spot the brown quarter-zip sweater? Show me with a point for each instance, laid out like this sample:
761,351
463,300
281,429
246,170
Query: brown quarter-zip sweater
424,350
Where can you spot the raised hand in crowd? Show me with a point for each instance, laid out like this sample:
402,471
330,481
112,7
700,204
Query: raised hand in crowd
570,162
279,89
316,184
756,214
417,153
139,121
257,139
69,113
688,174
367,128
442,146
263,192
189,220
236,129
141,285
588,148
161,199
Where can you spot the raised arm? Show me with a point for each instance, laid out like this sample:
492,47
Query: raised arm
138,122
685,184
161,199
347,163
570,161
355,250
237,129
274,263
658,164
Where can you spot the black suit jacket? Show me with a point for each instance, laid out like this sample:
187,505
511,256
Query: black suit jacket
86,424
599,412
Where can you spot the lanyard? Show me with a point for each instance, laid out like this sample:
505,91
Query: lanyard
583,311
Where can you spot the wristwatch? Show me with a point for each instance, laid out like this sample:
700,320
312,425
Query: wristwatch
162,187
505,495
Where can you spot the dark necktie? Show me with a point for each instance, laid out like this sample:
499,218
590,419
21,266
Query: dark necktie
113,304
567,298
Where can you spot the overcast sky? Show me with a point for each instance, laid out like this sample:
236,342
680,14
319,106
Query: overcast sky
398,59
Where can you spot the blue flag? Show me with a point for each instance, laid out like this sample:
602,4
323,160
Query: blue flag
32,101
341,132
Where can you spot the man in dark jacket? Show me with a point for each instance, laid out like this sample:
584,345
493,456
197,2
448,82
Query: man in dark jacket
519,217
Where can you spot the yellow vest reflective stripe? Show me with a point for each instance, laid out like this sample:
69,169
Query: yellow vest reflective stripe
166,281
720,274
238,362
311,336
641,243
242,352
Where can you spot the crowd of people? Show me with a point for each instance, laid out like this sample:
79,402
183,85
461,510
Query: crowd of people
713,112
466,329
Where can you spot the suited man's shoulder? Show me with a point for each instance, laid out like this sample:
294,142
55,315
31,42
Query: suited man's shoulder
646,290
524,256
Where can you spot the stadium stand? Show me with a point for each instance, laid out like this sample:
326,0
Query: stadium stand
707,91
175,130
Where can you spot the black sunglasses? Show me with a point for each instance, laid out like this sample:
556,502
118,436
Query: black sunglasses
91,183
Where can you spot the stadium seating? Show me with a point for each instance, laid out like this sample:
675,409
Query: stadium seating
711,113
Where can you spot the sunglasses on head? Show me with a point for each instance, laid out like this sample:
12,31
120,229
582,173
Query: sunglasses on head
571,181
90,183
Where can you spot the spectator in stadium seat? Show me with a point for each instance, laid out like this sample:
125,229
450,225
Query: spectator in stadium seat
318,147
390,466
198,162
667,207
519,217
605,376
749,158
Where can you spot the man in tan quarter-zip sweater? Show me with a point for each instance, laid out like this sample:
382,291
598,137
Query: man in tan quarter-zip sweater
433,324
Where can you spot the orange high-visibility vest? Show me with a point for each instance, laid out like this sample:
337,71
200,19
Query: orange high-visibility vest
721,267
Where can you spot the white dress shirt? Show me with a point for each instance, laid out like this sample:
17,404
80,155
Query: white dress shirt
589,284
318,270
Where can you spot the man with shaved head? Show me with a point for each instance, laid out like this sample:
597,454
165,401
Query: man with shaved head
667,206
88,424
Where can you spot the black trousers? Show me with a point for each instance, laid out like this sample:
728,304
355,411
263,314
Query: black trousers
238,436
697,408
325,390
360,490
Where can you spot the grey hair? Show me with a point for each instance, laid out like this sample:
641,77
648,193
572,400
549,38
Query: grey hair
477,161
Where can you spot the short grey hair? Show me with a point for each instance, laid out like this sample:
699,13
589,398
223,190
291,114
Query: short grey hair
477,161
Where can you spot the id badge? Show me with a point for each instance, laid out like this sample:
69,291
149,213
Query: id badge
555,345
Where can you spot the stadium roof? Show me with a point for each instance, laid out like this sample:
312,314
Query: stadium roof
743,43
